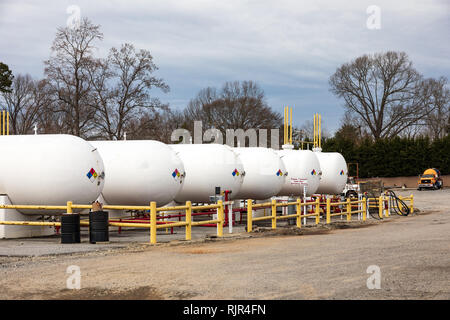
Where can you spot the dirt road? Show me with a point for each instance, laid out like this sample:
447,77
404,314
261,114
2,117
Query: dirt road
412,253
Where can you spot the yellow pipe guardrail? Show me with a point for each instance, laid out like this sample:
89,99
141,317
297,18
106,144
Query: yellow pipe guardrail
188,208
348,209
411,201
273,217
152,225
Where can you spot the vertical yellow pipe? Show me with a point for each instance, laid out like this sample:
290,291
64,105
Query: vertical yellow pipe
411,203
299,212
69,207
285,124
290,140
274,214
249,215
220,217
328,210
317,129
7,123
314,133
364,209
3,122
320,131
380,207
349,210
284,137
317,210
153,222
188,220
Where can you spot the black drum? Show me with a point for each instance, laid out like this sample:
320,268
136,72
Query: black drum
98,227
70,228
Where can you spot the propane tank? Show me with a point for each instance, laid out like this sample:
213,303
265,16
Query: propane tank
265,173
49,170
208,166
334,172
140,171
303,170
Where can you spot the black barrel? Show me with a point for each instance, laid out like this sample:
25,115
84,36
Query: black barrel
70,228
98,227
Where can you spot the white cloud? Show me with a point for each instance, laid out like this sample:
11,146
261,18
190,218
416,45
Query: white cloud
295,45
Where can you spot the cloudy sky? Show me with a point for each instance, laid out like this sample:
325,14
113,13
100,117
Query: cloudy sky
290,47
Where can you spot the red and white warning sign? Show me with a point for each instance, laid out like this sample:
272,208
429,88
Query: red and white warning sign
299,181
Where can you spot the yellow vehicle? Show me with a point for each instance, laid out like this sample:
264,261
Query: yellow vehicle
430,179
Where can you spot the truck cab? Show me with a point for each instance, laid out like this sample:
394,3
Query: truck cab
430,179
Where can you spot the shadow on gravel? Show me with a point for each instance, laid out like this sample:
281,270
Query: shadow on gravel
141,293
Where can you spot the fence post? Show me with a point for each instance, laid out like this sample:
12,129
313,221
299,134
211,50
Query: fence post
349,210
412,203
317,207
328,210
153,222
380,207
69,207
188,220
364,209
298,207
274,214
249,215
220,216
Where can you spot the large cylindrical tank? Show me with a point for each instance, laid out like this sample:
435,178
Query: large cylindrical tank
334,172
265,173
140,171
49,170
303,169
208,166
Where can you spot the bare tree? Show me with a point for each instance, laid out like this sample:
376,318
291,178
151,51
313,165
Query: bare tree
121,85
238,105
438,115
383,90
25,103
67,73
155,124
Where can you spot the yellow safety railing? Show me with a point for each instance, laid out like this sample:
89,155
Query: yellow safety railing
152,225
274,218
347,209
409,199
382,203
188,223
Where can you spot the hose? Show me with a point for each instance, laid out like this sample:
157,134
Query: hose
373,211
402,209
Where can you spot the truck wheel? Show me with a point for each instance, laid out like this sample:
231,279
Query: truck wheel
420,189
351,194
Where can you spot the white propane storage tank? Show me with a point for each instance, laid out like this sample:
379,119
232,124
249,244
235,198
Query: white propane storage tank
303,168
140,171
334,172
49,170
208,166
265,173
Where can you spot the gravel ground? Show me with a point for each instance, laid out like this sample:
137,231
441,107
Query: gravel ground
413,254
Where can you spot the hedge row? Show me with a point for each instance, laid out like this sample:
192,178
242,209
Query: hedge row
393,157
